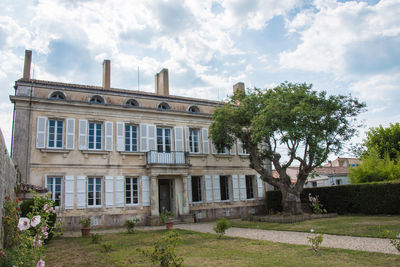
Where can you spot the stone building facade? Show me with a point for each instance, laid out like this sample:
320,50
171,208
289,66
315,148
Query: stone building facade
115,154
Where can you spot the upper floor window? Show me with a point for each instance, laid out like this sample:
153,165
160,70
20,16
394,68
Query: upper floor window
96,99
132,103
194,140
53,184
57,95
94,192
131,138
95,135
55,133
164,106
194,109
164,140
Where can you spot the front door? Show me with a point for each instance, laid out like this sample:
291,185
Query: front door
165,195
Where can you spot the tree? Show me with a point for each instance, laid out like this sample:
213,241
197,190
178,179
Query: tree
308,124
384,140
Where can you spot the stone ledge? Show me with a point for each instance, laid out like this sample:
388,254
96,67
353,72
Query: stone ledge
291,218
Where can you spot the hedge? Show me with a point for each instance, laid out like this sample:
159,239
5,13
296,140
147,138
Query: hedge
370,198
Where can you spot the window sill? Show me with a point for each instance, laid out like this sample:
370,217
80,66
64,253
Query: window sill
197,155
54,150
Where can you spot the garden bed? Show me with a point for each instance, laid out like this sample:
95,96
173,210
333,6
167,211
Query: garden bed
291,218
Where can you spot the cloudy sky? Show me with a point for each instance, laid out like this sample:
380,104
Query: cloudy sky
343,47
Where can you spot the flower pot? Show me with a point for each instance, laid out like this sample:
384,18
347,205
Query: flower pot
169,225
85,231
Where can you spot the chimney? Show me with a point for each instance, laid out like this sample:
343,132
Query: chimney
106,74
162,82
238,87
27,65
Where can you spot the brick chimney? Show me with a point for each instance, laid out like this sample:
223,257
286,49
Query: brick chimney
162,82
27,65
106,74
238,87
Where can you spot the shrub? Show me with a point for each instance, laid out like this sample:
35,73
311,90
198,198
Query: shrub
130,225
96,238
85,222
316,206
315,240
222,226
394,240
107,247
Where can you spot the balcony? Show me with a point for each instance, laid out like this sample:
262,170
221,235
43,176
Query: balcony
166,158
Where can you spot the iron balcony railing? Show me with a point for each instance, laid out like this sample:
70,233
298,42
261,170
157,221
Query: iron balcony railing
168,158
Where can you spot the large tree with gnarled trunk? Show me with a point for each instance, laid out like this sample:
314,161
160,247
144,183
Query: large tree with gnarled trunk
306,124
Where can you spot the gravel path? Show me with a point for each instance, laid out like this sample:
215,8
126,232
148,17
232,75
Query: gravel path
332,241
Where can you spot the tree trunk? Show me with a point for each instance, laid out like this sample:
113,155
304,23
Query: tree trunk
291,202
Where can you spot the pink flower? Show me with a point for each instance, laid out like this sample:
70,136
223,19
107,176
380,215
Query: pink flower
40,263
44,229
45,235
46,207
35,220
23,224
53,211
37,242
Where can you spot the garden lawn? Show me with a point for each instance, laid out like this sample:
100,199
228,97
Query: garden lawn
364,226
198,249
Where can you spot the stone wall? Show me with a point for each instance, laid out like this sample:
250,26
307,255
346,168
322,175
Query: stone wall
8,176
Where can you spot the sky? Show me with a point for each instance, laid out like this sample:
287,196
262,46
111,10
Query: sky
342,47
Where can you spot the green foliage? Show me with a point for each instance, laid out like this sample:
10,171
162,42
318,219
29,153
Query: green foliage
86,222
163,253
369,198
10,221
315,241
222,226
315,204
166,216
394,240
96,238
130,225
384,141
375,168
107,247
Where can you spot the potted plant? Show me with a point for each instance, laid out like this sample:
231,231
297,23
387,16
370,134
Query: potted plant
86,222
166,217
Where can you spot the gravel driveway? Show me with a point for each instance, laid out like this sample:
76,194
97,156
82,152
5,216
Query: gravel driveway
332,241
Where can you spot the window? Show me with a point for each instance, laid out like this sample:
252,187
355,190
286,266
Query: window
249,186
314,184
196,189
164,140
224,187
96,99
164,106
194,109
131,103
131,140
55,134
57,96
338,181
131,190
94,191
194,140
224,151
95,135
53,184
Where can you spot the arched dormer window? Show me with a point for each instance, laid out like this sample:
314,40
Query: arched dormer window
164,106
57,95
96,99
132,103
194,109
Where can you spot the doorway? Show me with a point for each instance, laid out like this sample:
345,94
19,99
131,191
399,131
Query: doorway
165,195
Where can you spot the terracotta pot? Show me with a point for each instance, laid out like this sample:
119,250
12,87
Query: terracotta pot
85,231
169,225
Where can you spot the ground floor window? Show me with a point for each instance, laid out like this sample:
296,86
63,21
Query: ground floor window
94,191
249,186
131,190
196,189
224,187
314,184
53,184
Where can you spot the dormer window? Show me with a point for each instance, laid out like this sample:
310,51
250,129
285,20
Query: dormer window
132,103
194,109
57,95
96,99
164,106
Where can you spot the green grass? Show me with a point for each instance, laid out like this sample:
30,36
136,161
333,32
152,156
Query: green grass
365,226
199,249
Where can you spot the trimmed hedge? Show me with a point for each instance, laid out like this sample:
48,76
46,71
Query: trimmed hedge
370,198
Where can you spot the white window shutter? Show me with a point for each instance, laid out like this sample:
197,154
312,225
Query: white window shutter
109,183
41,132
189,189
209,197
120,136
81,192
151,137
235,187
69,192
260,187
213,148
240,147
242,186
119,191
178,132
70,134
145,191
143,138
83,134
187,133
204,133
233,149
217,192
108,136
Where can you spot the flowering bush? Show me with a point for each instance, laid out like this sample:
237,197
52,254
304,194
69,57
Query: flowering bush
315,240
316,205
25,235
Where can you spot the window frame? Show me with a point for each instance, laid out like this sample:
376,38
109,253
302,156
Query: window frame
163,106
131,191
163,138
252,181
192,141
128,103
94,99
95,136
95,178
53,193
56,120
56,96
200,188
130,138
194,109
227,188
